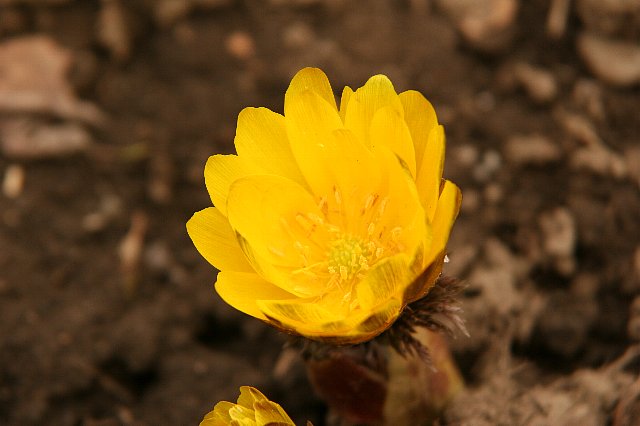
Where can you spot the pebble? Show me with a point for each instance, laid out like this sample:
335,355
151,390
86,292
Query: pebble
531,149
612,61
557,18
298,35
600,160
13,182
488,166
30,139
559,238
578,127
168,12
587,94
240,45
487,25
34,79
113,31
541,85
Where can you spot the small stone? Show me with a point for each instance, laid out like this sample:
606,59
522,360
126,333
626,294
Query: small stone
487,25
557,18
578,127
31,139
470,201
600,160
113,30
240,45
467,155
34,79
298,35
587,94
168,12
13,182
559,238
540,84
613,61
493,193
490,164
531,149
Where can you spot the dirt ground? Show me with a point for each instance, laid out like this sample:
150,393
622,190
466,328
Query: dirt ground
109,110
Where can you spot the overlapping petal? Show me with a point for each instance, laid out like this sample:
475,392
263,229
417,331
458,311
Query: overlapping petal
252,409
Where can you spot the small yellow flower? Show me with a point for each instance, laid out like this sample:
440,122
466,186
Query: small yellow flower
252,409
329,221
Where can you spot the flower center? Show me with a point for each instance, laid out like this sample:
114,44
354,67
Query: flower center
349,256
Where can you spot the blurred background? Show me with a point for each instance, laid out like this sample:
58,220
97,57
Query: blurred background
109,110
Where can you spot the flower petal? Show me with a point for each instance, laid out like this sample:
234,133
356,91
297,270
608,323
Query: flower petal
219,415
384,315
300,314
219,173
378,92
215,240
310,124
281,224
242,290
344,101
389,129
272,414
429,177
261,139
420,118
400,221
249,396
312,79
446,213
386,279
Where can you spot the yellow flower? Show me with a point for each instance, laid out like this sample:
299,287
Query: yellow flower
252,409
329,221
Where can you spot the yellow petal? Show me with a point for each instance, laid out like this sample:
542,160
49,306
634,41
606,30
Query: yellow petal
310,124
344,101
249,396
300,314
420,118
219,173
386,279
219,416
446,213
389,129
261,139
429,177
271,414
241,290
280,222
378,92
383,316
312,79
400,220
215,240
242,416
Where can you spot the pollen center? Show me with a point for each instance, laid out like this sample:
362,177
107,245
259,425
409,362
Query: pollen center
350,256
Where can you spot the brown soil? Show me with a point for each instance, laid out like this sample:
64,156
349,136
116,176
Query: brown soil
107,312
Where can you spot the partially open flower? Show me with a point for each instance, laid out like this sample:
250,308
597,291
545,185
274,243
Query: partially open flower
252,409
329,221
